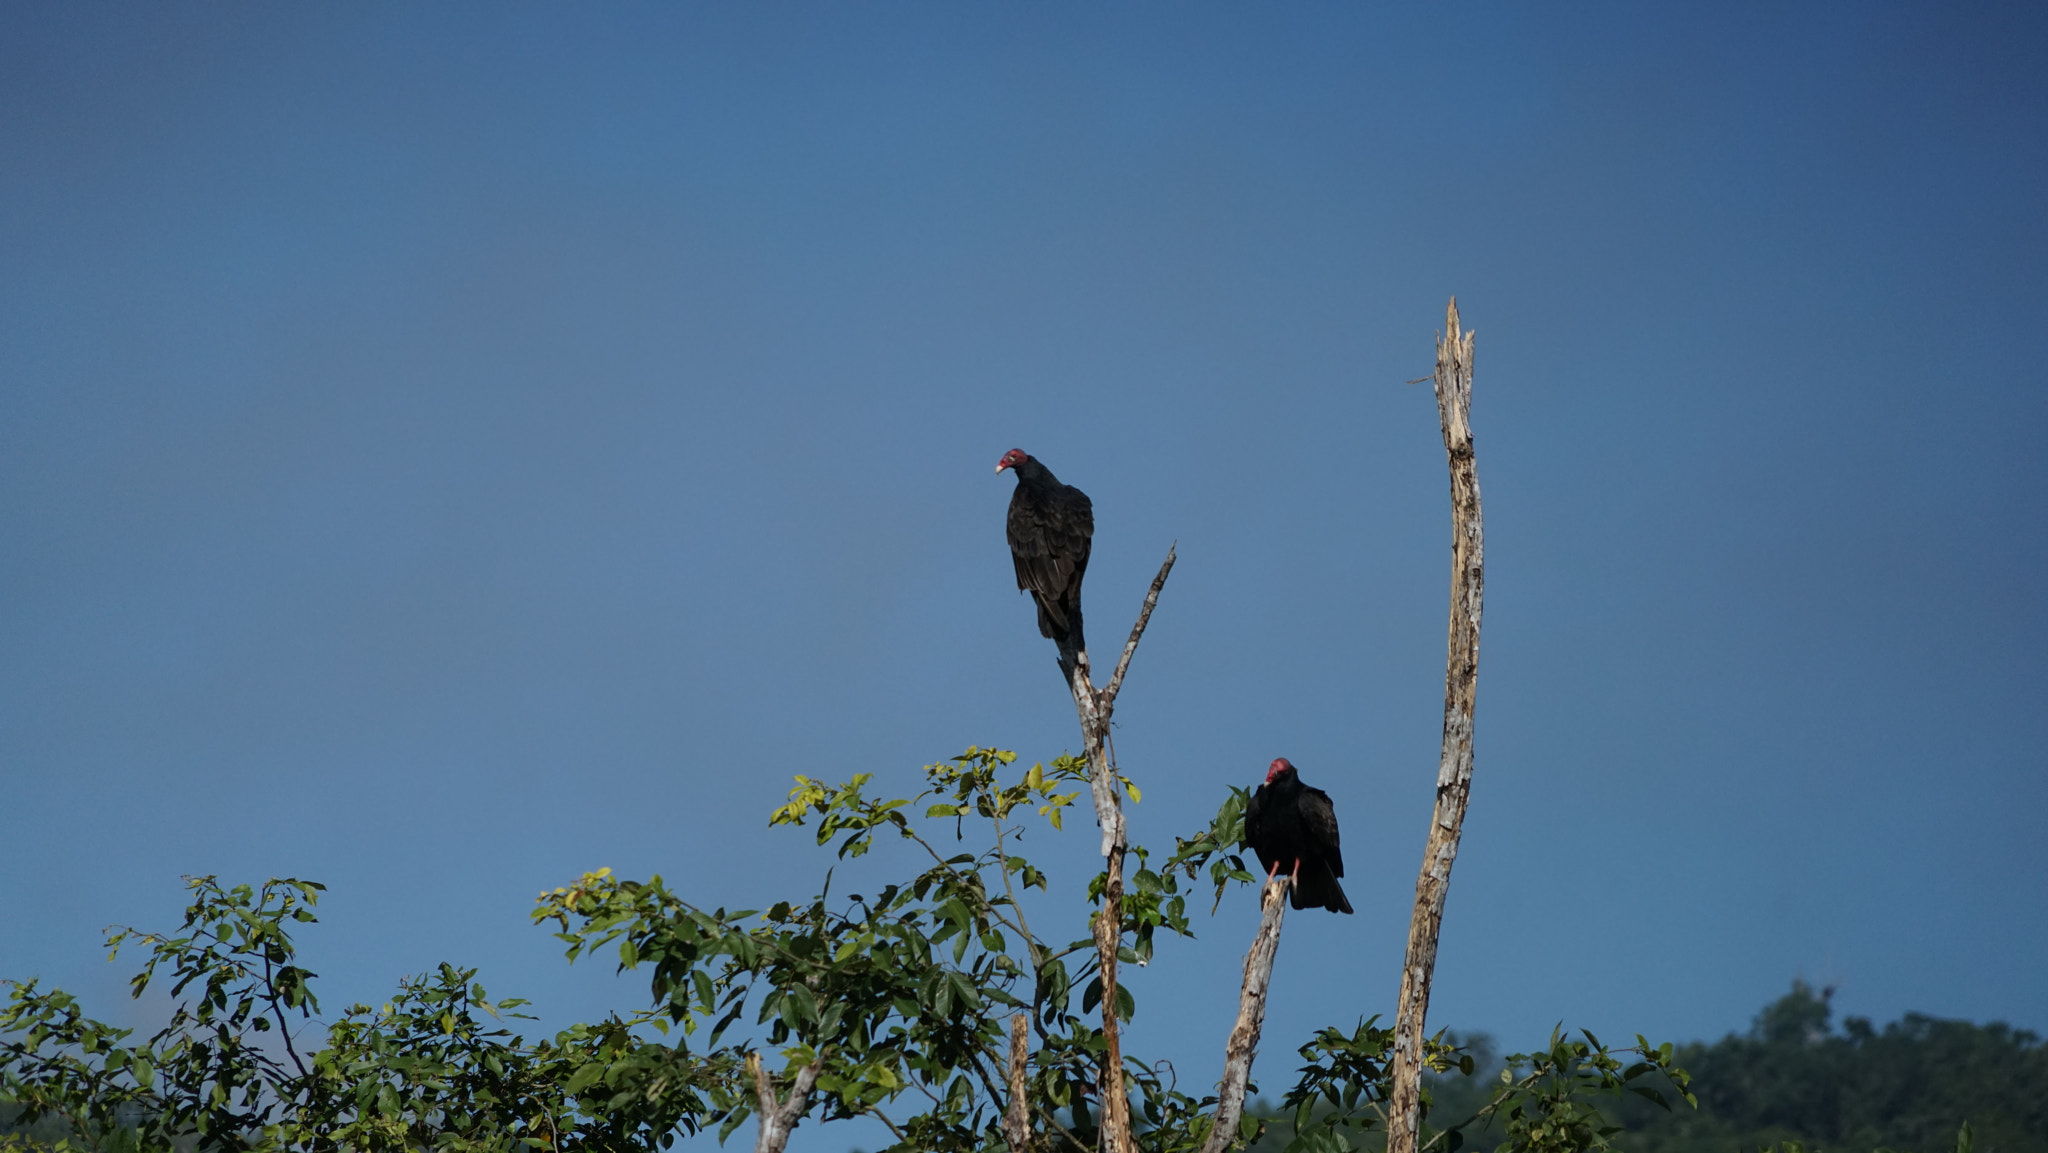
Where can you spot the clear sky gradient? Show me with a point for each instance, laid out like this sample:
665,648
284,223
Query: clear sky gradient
445,449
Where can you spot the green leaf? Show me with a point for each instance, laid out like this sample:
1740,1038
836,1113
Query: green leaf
802,1005
969,997
584,1078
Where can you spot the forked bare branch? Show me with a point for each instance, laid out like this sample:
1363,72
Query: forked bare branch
1094,709
779,1117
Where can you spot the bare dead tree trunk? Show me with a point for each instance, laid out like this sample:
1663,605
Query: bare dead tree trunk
1095,709
1454,769
1017,1119
779,1118
1251,1017
1116,1106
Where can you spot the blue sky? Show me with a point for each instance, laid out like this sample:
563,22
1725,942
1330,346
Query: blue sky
443,450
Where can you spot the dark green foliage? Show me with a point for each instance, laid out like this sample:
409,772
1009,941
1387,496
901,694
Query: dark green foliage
1794,1085
434,1068
1908,1086
1545,1101
900,1000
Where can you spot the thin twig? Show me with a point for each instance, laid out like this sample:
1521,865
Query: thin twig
990,909
1003,858
884,1119
270,987
1064,1131
1123,663
1500,1097
770,947
921,1087
995,1095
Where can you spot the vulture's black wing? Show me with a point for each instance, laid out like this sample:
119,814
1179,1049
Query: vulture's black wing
1319,829
1051,529
1322,862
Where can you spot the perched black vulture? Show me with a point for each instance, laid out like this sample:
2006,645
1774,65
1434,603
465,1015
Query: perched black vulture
1051,526
1293,827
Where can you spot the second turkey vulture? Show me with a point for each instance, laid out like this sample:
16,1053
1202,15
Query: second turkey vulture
1293,827
1051,526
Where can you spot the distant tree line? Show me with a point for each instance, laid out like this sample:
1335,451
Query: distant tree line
1907,1087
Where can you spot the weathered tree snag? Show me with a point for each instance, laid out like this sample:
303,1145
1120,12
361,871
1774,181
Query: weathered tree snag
779,1118
1116,1106
1454,769
1251,1017
1095,709
1017,1119
1094,714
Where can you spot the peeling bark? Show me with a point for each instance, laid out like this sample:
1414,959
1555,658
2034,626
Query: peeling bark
1251,1017
1017,1120
1094,709
1454,768
779,1118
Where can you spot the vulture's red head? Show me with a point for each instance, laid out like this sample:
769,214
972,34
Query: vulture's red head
1280,765
1011,459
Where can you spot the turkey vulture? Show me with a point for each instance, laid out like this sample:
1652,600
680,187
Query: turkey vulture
1050,528
1292,826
